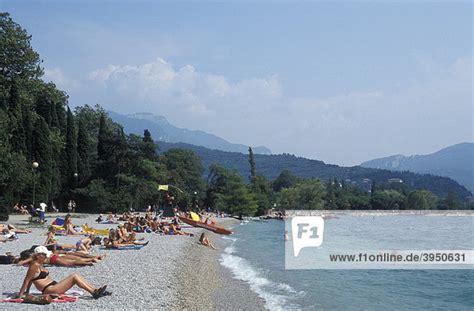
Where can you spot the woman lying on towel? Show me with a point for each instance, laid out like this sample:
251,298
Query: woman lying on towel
75,259
39,276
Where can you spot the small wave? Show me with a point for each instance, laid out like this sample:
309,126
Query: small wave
276,295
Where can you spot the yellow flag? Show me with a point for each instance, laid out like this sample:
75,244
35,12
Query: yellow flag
163,187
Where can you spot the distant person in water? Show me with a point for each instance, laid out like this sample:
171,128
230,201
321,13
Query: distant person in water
205,241
37,275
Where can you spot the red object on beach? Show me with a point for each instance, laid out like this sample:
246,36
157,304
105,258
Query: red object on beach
62,298
210,227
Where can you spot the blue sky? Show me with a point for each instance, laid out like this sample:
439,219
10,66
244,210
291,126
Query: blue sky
341,82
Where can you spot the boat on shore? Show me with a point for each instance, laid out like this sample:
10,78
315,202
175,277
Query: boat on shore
211,227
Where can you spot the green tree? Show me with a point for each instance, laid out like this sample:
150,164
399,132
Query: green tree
253,167
236,197
306,195
451,202
83,153
421,200
286,179
18,60
102,140
71,151
388,199
43,155
149,147
184,171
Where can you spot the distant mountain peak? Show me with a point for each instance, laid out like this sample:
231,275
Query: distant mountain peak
456,162
150,117
161,129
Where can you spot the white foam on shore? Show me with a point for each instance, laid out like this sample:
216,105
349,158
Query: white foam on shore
276,295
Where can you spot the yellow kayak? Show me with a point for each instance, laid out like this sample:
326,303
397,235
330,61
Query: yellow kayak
95,231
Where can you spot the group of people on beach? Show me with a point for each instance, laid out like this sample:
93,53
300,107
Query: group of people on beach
54,253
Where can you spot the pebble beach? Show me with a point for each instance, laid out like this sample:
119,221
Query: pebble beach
170,273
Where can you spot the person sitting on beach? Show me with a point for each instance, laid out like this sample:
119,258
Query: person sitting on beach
205,241
53,244
37,275
111,218
84,244
69,227
114,241
173,230
18,208
99,219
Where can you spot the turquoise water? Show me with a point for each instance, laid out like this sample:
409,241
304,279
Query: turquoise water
255,254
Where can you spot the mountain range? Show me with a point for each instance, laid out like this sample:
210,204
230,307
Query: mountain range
456,162
272,165
215,150
162,130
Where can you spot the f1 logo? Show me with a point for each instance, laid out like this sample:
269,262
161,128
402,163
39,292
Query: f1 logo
307,231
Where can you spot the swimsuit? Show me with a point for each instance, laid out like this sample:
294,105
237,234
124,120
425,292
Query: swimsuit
49,284
53,259
43,275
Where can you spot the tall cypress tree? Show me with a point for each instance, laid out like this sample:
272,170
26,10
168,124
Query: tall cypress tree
149,146
102,153
42,155
28,127
83,145
17,130
71,149
253,169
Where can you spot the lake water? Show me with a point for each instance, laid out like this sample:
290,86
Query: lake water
256,255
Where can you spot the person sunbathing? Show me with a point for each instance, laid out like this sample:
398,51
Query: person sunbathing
7,235
59,259
204,240
18,208
14,229
69,227
84,245
37,275
174,230
52,243
8,259
114,241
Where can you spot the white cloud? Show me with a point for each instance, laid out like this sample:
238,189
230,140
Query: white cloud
57,76
345,129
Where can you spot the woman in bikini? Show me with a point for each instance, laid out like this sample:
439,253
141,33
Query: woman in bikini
39,276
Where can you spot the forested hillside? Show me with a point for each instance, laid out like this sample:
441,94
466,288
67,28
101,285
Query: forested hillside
272,165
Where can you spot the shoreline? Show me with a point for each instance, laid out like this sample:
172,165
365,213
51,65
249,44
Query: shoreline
170,273
211,286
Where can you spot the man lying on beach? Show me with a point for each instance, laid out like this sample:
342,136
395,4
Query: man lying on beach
37,275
